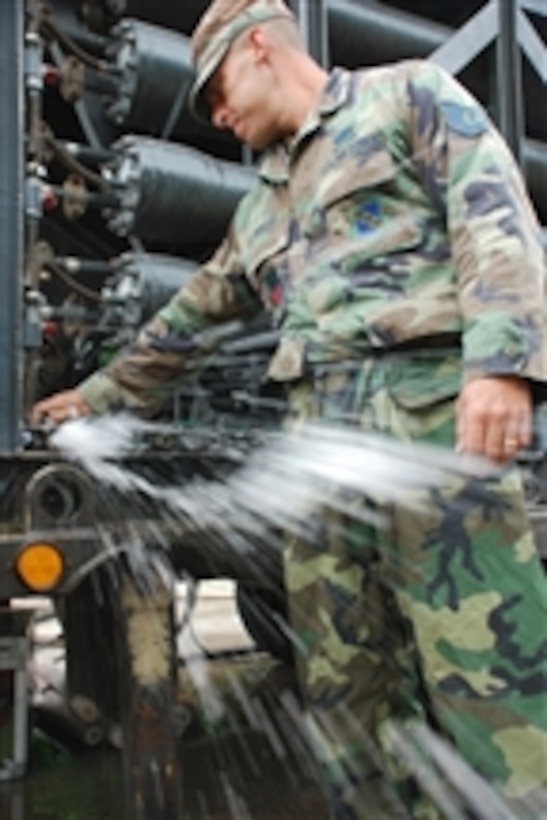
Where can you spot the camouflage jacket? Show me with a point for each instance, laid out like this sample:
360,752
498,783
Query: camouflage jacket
396,216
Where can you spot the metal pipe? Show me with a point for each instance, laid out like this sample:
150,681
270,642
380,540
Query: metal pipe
11,220
141,284
365,33
509,78
85,198
173,193
154,67
87,153
181,16
535,169
75,265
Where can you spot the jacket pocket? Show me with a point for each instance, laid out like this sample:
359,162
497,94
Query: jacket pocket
421,380
346,276
368,165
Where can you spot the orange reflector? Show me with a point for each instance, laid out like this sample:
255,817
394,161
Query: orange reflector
40,567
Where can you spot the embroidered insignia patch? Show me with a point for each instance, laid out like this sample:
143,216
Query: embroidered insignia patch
468,121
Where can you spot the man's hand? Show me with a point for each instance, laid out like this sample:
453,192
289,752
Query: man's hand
494,417
58,408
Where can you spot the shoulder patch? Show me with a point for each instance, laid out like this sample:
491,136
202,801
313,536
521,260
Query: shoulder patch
465,120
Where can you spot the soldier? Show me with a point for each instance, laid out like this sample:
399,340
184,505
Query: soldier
391,237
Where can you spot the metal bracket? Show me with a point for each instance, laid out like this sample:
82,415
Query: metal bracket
532,44
469,41
14,652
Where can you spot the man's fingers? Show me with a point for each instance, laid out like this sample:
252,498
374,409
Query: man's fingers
518,434
471,435
494,418
499,440
495,439
59,408
37,414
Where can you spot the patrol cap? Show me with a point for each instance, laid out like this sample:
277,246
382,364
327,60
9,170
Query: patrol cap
221,24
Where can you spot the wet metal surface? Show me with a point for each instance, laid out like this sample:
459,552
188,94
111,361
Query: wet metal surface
236,767
233,772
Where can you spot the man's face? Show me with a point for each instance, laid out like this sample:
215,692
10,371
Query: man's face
238,96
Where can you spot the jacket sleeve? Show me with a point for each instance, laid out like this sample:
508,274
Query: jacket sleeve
494,234
169,347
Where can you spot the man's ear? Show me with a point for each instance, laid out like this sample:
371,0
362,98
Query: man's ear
258,41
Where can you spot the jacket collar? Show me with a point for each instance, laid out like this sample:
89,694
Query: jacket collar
275,163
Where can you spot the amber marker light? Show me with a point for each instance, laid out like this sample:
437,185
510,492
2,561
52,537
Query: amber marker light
40,566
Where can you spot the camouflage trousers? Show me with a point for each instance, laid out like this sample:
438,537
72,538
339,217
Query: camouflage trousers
438,618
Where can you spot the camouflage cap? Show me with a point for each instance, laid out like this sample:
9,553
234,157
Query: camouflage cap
221,24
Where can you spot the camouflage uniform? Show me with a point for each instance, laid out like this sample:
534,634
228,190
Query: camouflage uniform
396,248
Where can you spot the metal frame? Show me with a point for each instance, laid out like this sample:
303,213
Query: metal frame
469,40
507,25
14,654
536,6
509,77
532,44
11,219
312,18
